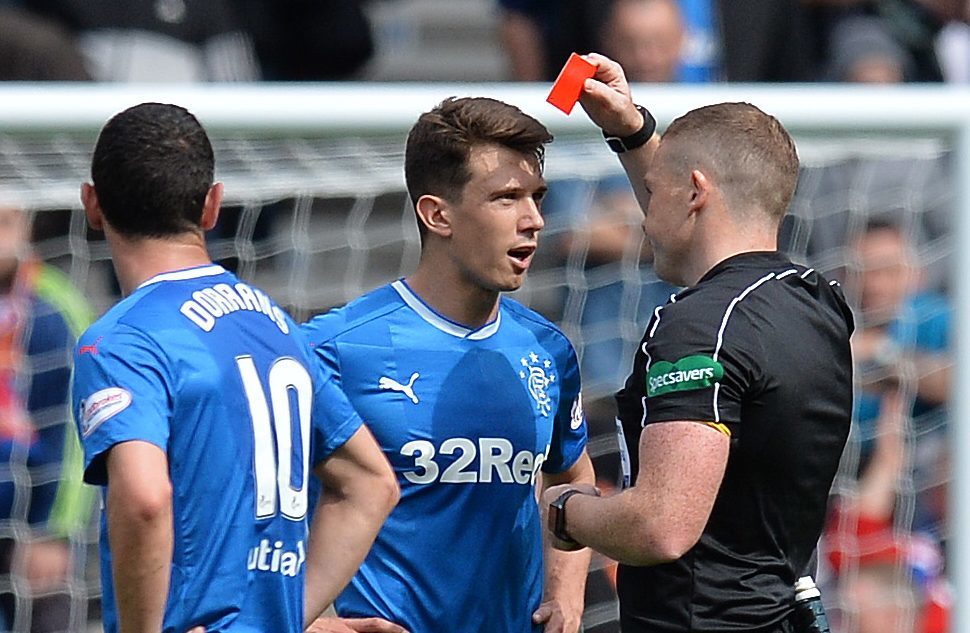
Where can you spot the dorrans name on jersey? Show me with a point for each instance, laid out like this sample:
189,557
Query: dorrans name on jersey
210,303
256,417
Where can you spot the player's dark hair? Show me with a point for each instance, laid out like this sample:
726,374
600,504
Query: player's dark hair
439,144
749,154
152,168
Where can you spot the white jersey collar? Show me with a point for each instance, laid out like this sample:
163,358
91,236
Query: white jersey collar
209,270
436,320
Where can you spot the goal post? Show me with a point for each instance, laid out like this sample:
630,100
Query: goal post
317,210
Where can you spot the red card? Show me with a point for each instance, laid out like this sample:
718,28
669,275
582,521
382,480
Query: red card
569,84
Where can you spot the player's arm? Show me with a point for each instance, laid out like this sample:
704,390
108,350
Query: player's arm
662,517
607,100
139,507
565,572
360,490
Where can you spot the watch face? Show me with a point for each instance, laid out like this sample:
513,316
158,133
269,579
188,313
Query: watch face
616,144
553,517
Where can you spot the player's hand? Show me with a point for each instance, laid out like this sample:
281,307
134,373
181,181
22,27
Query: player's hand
198,629
606,98
354,625
557,618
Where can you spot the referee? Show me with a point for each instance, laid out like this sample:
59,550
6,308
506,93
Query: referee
738,406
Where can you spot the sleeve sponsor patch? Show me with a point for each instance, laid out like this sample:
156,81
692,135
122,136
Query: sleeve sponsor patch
577,416
100,406
687,374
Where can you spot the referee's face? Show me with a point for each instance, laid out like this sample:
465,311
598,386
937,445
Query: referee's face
666,217
495,226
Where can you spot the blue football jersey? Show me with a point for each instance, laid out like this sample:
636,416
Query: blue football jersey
211,371
467,419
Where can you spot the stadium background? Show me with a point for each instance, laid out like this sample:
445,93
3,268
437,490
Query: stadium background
316,214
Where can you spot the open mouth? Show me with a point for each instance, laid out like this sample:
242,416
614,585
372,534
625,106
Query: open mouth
522,254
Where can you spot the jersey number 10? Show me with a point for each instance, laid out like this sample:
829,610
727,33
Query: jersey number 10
274,472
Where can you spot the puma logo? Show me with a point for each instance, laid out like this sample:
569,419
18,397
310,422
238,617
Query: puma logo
393,385
90,349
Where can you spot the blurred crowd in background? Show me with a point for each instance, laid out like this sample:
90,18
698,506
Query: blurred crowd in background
883,556
522,40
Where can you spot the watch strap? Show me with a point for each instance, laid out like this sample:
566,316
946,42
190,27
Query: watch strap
558,527
621,144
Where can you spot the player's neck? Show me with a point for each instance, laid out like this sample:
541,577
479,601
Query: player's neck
137,260
454,298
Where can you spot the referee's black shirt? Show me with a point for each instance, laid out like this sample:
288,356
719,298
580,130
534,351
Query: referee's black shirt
761,346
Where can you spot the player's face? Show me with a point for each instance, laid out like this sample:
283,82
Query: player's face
666,220
496,223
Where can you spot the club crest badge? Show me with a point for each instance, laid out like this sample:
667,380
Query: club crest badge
537,374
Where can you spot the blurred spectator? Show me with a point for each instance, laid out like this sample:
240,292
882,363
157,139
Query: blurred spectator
33,48
863,51
902,343
539,35
765,40
157,40
903,333
756,40
917,24
602,237
953,51
912,25
646,37
309,40
42,501
752,41
889,579
701,55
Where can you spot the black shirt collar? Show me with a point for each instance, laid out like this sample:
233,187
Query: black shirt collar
755,259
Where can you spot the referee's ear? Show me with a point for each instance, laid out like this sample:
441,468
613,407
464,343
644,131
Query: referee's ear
700,190
435,214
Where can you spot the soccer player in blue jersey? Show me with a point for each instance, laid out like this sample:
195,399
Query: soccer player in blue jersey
474,398
202,413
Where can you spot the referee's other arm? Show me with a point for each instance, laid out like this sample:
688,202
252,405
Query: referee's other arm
662,517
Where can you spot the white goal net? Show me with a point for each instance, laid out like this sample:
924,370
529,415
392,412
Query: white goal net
316,214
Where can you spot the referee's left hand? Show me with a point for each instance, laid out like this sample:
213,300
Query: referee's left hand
558,618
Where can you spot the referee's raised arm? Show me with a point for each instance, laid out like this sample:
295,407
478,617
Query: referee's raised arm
732,462
629,129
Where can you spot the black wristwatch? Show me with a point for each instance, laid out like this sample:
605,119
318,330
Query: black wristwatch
620,144
557,517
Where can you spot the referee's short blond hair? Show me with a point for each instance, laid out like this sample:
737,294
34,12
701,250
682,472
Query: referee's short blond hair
747,153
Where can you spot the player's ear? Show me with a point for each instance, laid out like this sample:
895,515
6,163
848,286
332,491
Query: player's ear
92,208
210,210
700,190
435,213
